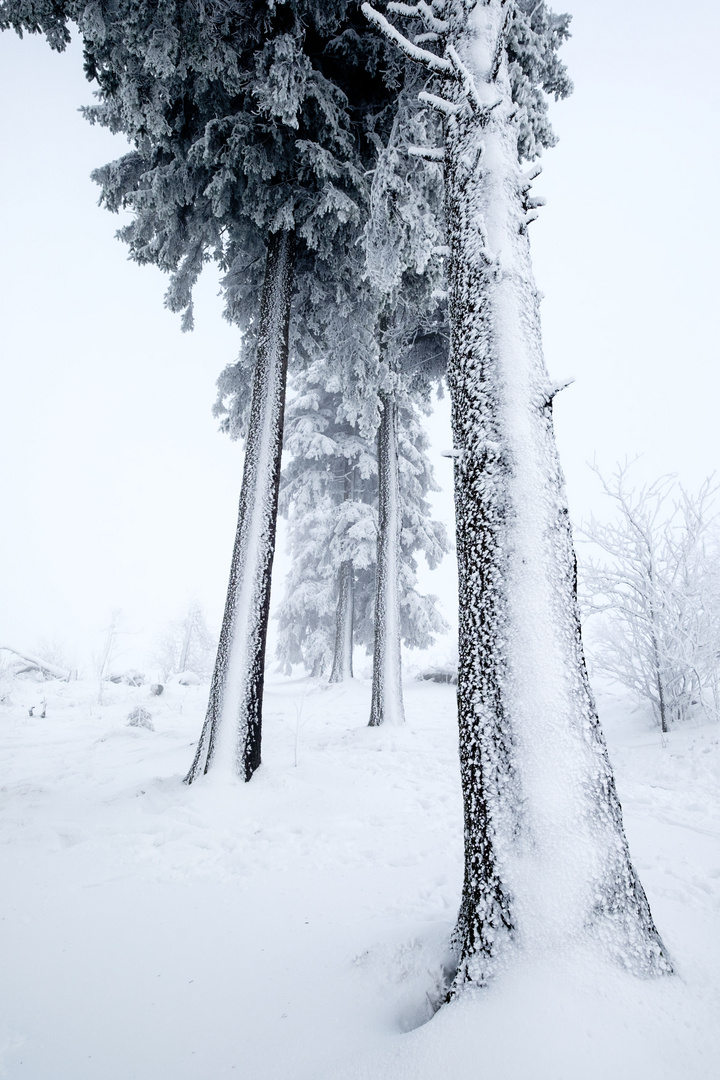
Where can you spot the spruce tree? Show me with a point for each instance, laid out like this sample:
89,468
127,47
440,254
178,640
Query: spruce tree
546,859
330,495
249,147
404,247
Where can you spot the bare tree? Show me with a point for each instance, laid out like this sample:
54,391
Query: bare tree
186,644
658,589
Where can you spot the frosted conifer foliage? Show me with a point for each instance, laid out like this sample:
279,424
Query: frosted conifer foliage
546,859
329,493
243,123
403,251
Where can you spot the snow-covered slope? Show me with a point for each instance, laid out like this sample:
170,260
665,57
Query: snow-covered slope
293,927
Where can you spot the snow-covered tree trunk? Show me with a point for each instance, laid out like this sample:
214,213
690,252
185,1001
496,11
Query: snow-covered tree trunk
230,739
345,611
342,655
387,700
546,859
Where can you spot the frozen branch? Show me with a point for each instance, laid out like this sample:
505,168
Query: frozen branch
449,108
467,81
554,388
527,178
427,153
421,56
422,11
36,662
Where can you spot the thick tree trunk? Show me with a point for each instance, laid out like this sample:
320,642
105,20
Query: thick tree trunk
230,739
546,859
342,656
387,701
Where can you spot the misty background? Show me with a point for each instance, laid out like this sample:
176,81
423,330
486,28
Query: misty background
116,489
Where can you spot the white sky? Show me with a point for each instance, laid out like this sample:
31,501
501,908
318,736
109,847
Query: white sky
116,491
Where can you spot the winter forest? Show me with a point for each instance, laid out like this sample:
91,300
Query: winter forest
360,604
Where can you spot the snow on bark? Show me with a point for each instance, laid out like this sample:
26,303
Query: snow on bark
342,668
387,700
546,859
230,738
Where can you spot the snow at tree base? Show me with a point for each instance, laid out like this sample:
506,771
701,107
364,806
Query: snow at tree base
292,927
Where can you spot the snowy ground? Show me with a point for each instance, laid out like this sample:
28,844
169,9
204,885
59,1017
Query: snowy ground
292,927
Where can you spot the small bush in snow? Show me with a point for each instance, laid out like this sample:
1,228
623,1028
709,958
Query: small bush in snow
140,717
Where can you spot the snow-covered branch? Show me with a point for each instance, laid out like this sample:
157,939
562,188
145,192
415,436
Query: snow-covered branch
466,80
428,153
42,665
449,108
430,60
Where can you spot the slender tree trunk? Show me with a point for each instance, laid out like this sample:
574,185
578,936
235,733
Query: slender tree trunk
387,700
230,738
344,615
546,859
342,657
187,638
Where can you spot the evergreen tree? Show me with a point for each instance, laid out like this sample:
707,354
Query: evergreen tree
404,246
247,123
397,312
546,859
330,494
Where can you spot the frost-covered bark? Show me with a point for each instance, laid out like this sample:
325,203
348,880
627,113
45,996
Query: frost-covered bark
230,739
342,667
546,859
546,856
387,701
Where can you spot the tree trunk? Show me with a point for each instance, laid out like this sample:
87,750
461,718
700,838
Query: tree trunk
187,638
230,738
546,859
387,700
342,657
344,616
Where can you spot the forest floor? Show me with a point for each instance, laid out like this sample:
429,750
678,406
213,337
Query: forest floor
292,928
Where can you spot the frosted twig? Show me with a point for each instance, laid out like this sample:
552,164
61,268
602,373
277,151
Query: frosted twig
422,56
527,178
554,388
428,153
468,82
422,11
449,108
